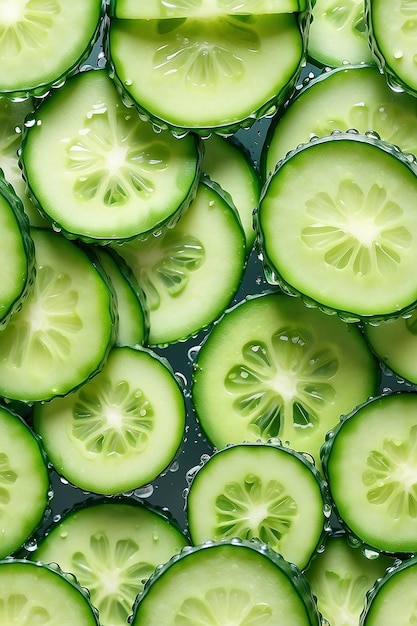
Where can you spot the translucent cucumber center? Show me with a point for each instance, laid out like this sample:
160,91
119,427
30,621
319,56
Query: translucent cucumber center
341,597
112,418
17,609
254,508
349,13
7,478
24,24
285,382
223,607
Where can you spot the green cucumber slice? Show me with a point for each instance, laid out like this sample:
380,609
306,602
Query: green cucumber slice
113,177
32,594
348,97
391,28
24,483
41,43
17,254
121,429
369,461
338,33
159,9
226,162
273,368
262,491
64,329
340,578
112,547
226,582
348,243
185,73
179,270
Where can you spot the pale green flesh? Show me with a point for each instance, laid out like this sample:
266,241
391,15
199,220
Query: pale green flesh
371,470
349,241
394,602
180,270
62,332
220,584
274,368
118,431
258,491
24,484
116,178
157,9
111,548
193,85
31,594
41,41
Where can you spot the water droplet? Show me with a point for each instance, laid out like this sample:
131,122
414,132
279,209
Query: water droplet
144,492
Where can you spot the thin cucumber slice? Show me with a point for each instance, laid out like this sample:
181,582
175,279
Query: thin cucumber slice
370,464
159,9
97,171
133,325
41,43
112,547
31,593
262,491
17,254
349,97
338,33
63,332
273,368
24,483
348,244
392,599
121,429
226,162
226,582
391,28
340,578
185,73
179,270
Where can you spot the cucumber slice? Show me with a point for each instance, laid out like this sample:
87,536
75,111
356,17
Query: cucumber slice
159,9
33,594
261,491
338,33
185,73
43,42
227,163
17,255
392,600
349,97
340,578
24,484
237,582
100,173
112,547
391,27
348,242
65,328
273,368
121,429
179,270
369,462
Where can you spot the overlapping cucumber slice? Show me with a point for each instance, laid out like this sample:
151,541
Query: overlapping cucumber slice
159,9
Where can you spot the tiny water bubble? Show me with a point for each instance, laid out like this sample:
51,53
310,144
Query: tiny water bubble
174,467
371,554
31,545
144,492
193,353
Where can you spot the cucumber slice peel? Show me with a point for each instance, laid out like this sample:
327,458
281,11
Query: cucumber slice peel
160,9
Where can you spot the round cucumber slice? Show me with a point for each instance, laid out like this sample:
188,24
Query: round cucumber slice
31,593
262,491
185,73
348,243
112,547
179,270
343,98
64,329
370,465
273,368
98,172
157,9
24,483
121,429
226,582
43,42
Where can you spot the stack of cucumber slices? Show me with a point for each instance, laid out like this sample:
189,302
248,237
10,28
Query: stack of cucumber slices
208,313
